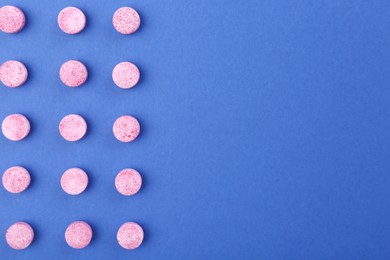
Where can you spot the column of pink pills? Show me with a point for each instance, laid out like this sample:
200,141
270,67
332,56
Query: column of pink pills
72,128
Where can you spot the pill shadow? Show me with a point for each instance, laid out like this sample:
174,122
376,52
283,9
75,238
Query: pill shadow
143,129
147,234
95,232
31,119
32,177
91,178
28,22
88,22
144,22
145,179
90,127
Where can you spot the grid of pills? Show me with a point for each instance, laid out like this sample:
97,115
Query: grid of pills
72,128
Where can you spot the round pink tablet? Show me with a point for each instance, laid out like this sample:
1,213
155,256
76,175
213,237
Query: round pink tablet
126,129
74,181
78,235
16,179
130,235
71,20
126,75
12,19
126,20
128,182
73,73
13,73
19,236
73,127
15,127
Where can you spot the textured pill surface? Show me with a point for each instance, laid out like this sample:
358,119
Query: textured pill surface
71,20
130,235
12,19
16,179
126,75
19,236
73,127
78,235
15,127
73,73
126,20
74,181
13,73
126,128
128,182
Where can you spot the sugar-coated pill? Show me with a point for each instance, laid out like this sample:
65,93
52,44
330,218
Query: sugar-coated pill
78,235
13,73
128,182
73,127
130,235
73,73
16,179
126,128
74,181
12,19
126,20
126,75
15,127
19,236
71,20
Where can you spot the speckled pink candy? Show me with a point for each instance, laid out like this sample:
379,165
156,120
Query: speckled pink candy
15,127
73,127
20,235
16,179
13,73
126,128
73,73
74,181
126,75
126,20
12,19
71,20
78,235
130,235
128,182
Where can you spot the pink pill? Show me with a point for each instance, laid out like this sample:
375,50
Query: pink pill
71,20
126,75
73,73
13,73
78,235
20,235
15,127
128,182
16,179
73,127
126,129
74,181
12,19
130,235
126,20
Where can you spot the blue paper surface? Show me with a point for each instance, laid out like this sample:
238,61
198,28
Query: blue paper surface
265,129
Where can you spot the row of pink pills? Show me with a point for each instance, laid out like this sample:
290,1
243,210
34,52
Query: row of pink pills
71,20
74,181
73,73
78,235
72,128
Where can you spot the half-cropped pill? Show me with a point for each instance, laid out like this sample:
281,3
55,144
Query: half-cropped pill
128,182
73,73
16,179
126,20
78,235
19,236
13,73
71,20
12,19
73,127
74,181
15,127
130,235
125,75
126,128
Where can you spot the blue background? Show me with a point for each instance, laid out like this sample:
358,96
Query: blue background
265,129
